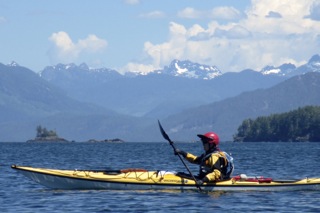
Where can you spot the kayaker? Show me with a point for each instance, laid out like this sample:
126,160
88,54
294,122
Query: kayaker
214,164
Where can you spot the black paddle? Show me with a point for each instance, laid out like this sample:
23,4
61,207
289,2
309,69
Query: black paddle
164,134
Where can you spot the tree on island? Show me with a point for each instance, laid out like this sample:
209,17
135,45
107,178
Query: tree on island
302,124
44,133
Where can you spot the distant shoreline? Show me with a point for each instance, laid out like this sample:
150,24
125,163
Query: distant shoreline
116,140
48,139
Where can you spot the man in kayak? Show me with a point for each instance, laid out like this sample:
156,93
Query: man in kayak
214,164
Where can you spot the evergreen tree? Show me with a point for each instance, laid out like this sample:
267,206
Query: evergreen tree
43,132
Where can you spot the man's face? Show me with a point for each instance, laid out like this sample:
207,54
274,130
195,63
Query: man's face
206,145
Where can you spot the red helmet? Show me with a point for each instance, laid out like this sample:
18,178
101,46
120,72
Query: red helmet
210,137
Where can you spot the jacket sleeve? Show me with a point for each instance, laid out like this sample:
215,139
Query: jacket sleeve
193,159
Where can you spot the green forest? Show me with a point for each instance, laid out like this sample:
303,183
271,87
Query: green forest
298,125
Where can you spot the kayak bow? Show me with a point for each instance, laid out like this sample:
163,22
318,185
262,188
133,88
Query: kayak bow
139,179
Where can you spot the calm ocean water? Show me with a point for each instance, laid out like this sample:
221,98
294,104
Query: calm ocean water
277,160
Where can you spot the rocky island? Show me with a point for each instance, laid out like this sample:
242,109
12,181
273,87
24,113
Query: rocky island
116,140
44,135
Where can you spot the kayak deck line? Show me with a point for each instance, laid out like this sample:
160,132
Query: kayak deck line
94,175
136,179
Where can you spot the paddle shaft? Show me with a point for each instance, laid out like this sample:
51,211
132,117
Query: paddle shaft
164,134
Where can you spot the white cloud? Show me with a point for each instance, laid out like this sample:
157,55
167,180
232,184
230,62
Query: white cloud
92,44
224,13
65,50
132,2
177,30
190,13
270,32
198,33
153,14
234,32
292,12
136,67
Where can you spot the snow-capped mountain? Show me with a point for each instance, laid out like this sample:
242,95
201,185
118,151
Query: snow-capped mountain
190,70
13,64
83,72
313,65
314,62
72,67
290,70
282,70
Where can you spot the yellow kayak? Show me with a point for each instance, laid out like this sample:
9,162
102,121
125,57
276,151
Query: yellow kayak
140,179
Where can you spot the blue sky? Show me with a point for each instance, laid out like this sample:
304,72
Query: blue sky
144,35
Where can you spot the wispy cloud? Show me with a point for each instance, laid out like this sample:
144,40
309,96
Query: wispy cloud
225,13
132,2
217,13
190,13
153,14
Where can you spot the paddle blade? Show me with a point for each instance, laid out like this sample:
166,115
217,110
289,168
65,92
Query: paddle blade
164,134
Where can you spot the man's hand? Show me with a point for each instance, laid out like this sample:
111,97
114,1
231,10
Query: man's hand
199,182
180,152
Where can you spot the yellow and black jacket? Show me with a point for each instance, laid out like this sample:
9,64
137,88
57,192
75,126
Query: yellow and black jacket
213,165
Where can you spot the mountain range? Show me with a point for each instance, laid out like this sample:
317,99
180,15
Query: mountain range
157,94
81,103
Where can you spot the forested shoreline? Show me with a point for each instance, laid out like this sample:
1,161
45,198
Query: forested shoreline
298,125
